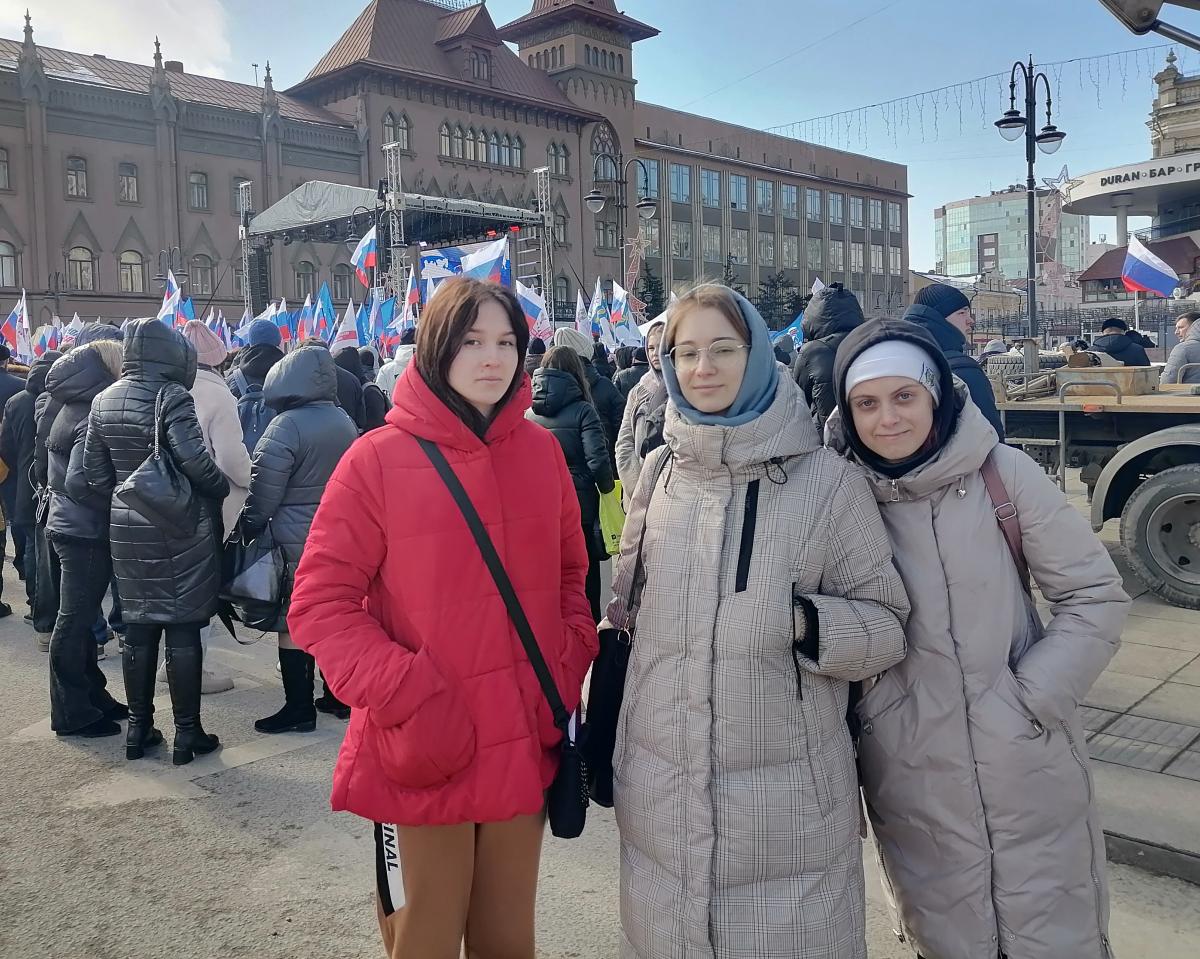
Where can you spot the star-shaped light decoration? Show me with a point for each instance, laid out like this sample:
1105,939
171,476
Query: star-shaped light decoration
1062,184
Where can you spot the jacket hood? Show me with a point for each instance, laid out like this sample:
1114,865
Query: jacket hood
156,353
256,361
866,336
417,410
1116,345
947,335
784,429
1193,333
78,377
969,444
553,391
304,376
35,381
832,310
349,360
92,332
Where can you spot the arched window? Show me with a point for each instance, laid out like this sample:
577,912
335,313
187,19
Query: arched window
389,128
480,67
481,147
494,149
612,61
553,56
203,275
81,269
131,272
562,291
469,145
506,151
562,54
444,139
5,183
518,153
620,63
127,183
8,264
198,191
305,274
456,143
538,59
587,53
604,142
531,59
341,281
77,185
560,228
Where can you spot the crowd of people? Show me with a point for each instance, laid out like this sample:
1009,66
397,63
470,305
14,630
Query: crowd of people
824,580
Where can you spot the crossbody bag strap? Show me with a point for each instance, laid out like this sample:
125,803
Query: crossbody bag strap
1006,517
503,583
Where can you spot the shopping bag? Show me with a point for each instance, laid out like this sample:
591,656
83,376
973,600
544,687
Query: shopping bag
612,519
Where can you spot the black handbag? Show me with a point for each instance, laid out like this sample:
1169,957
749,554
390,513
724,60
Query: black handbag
606,690
158,490
567,798
254,580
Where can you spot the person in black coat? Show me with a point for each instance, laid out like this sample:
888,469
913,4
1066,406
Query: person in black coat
18,445
604,396
374,403
562,404
77,526
292,463
601,362
945,313
534,355
831,315
1114,340
10,386
628,378
168,582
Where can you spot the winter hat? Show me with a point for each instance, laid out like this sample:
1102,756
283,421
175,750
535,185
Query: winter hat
639,355
994,346
210,351
943,299
263,333
1113,323
92,332
581,343
367,355
537,346
409,337
895,358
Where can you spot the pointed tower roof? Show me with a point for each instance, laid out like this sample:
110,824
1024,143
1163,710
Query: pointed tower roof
416,38
603,13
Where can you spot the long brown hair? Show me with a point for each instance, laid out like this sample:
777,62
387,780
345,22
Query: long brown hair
444,326
567,360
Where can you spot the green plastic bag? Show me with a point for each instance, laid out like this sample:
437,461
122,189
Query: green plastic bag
612,519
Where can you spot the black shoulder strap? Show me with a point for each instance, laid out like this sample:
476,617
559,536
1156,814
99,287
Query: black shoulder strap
503,583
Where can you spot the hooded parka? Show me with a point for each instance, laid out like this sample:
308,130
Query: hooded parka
648,396
828,319
393,599
299,451
559,406
162,578
17,446
75,509
735,788
972,754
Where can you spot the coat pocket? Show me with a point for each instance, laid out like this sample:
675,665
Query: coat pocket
1008,691
431,748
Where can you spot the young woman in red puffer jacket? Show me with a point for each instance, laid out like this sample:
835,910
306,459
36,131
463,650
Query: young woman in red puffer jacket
451,743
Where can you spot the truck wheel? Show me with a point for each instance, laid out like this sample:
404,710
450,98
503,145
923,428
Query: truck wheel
1160,530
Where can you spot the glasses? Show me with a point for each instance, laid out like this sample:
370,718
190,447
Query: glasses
719,354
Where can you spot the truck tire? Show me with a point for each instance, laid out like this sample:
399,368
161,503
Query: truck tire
1160,531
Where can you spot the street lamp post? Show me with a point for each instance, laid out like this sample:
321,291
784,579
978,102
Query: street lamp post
166,264
1048,140
55,283
596,200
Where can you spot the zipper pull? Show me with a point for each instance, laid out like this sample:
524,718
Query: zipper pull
895,491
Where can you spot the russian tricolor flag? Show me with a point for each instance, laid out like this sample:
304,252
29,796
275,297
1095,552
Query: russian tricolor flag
1144,272
365,257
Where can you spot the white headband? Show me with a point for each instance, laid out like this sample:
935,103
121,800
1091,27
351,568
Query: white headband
895,358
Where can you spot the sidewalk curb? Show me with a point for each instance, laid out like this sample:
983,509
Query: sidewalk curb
1153,857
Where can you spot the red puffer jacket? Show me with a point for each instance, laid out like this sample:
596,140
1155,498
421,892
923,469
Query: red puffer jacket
393,599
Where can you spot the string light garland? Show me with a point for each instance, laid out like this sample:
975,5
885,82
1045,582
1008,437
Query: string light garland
950,111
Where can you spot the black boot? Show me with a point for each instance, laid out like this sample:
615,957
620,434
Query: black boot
329,703
138,664
184,664
298,715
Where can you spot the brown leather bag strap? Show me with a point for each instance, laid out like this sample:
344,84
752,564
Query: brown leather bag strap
1006,516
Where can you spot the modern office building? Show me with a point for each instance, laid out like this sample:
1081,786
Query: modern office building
109,168
986,234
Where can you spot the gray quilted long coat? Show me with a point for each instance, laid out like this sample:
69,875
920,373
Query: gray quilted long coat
972,754
735,788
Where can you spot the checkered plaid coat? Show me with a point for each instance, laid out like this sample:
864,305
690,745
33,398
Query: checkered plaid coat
735,787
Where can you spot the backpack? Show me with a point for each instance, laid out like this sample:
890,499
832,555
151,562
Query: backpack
387,402
253,412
